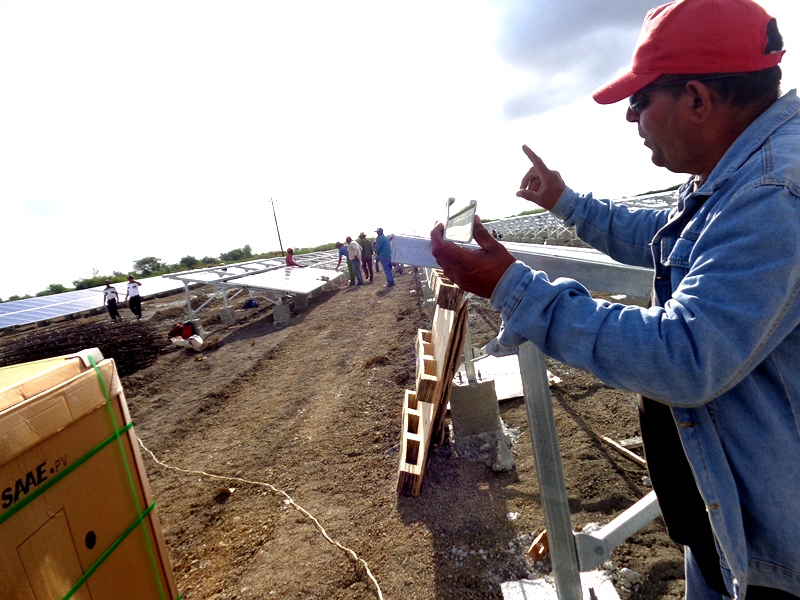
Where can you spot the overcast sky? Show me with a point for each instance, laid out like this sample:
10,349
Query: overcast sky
164,128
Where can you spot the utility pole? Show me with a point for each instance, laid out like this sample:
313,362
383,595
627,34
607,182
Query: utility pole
271,201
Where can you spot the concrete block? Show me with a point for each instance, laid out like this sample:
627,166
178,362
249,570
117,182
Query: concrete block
474,409
327,286
281,312
599,582
198,327
430,307
300,301
226,315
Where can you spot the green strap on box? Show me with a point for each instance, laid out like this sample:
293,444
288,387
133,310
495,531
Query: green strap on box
41,489
116,436
140,519
108,552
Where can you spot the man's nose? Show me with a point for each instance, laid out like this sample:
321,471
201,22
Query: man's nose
631,116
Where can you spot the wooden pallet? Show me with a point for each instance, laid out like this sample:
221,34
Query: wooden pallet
438,352
417,419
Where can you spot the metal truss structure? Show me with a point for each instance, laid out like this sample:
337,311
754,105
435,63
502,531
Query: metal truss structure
269,279
545,228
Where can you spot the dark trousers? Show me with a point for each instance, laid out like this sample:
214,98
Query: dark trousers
368,268
112,310
681,504
135,304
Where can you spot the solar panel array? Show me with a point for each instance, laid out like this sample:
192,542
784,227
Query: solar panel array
289,280
42,309
267,275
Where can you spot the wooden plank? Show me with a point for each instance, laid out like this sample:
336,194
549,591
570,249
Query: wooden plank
540,546
426,362
448,295
624,451
426,387
423,342
450,363
633,443
438,357
415,440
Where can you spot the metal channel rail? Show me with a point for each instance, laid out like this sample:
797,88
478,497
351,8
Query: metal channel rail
593,269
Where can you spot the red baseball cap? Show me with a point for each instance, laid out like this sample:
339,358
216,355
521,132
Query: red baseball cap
695,36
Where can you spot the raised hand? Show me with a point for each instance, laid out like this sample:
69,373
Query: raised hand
540,185
476,271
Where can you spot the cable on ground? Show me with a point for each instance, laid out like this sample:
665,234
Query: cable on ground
288,500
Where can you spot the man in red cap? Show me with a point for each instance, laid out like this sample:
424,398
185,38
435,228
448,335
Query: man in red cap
716,359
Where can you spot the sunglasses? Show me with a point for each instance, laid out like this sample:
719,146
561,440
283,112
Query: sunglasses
641,100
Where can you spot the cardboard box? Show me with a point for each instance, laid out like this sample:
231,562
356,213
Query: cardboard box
74,497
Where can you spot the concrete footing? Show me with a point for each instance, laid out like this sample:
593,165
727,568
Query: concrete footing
300,301
474,409
226,315
281,312
477,428
198,327
599,582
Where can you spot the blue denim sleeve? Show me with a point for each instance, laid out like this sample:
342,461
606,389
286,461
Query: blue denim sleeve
621,232
737,301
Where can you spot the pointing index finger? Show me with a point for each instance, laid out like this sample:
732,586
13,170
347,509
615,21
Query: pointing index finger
534,158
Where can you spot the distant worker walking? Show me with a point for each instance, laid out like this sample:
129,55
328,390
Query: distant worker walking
383,249
343,252
290,261
354,251
133,297
366,254
110,299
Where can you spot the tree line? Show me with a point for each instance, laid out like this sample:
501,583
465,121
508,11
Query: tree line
150,266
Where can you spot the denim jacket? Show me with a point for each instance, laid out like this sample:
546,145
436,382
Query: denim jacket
721,343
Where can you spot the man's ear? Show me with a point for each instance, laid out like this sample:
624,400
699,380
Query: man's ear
701,100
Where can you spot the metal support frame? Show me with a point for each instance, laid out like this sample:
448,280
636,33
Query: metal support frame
595,548
192,312
571,553
227,284
469,360
551,474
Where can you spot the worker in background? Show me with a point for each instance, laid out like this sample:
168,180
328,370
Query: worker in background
354,252
110,299
290,261
343,252
366,255
383,250
133,297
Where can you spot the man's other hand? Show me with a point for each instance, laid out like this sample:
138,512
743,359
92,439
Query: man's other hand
540,185
476,271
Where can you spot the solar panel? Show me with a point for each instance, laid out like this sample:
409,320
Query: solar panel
46,308
289,280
